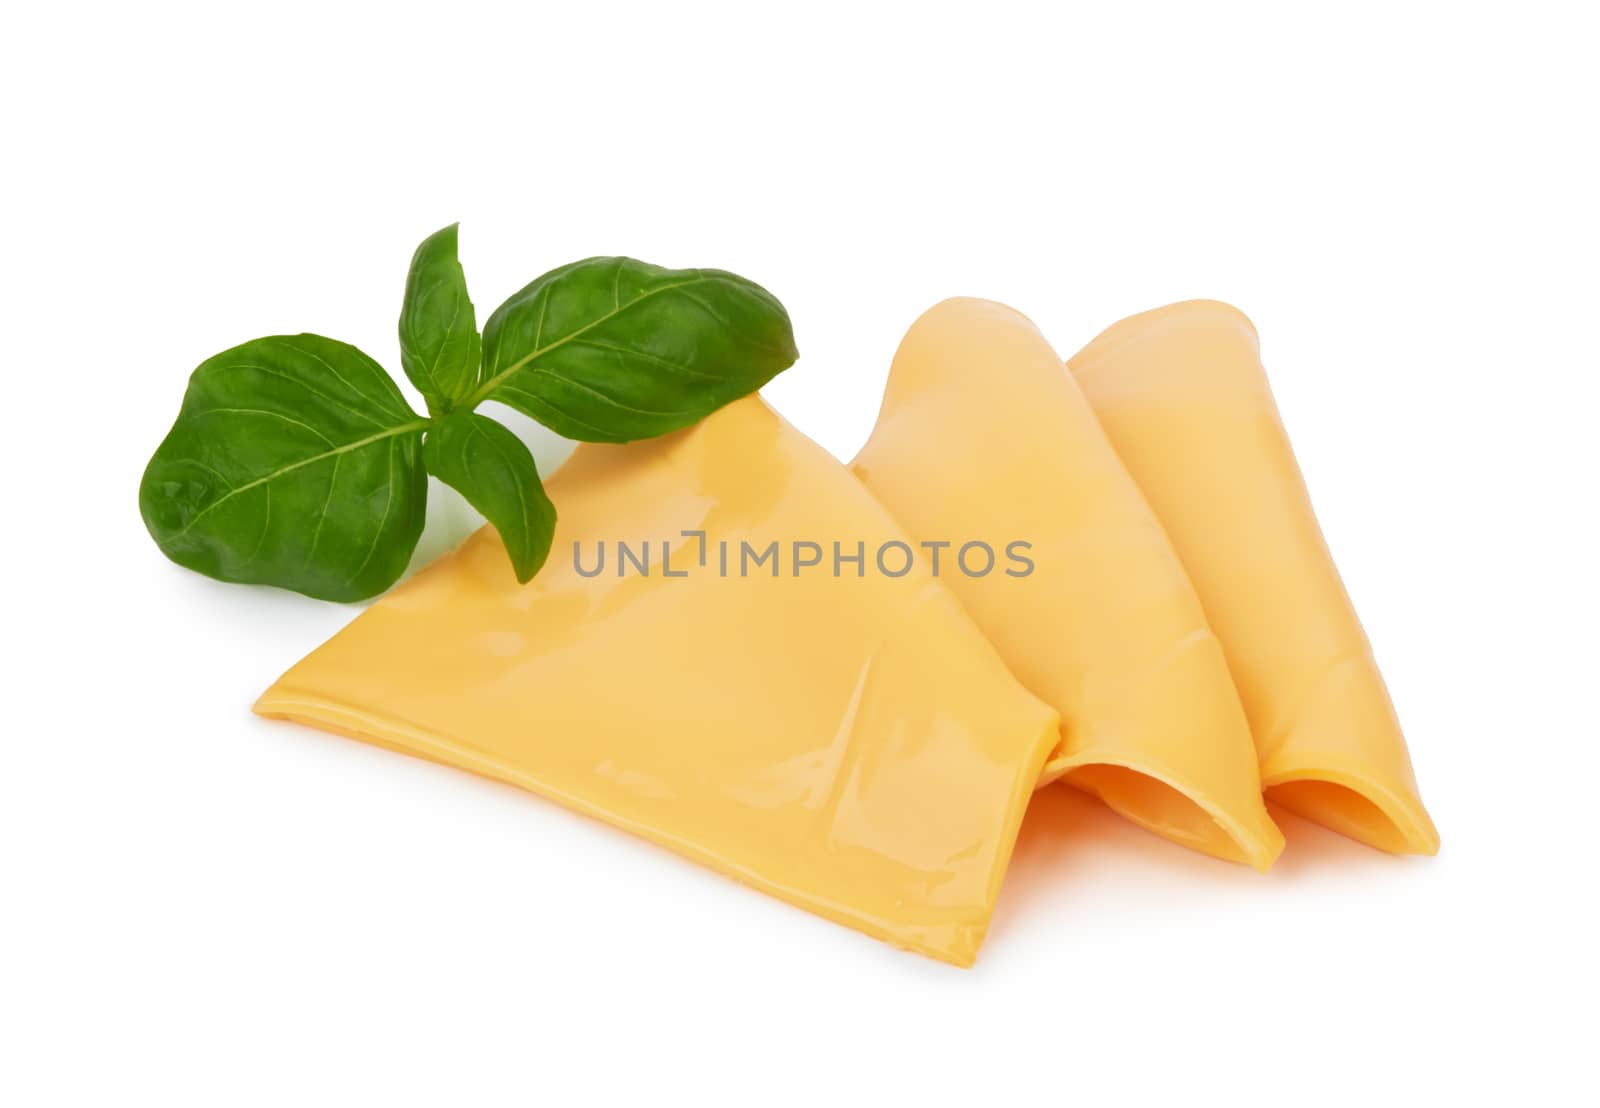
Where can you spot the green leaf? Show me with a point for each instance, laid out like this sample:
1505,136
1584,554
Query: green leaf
493,469
439,345
294,462
612,349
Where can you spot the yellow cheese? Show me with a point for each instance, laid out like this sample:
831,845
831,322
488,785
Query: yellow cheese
984,437
849,743
1182,394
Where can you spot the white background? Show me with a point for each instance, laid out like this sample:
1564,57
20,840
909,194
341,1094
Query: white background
197,907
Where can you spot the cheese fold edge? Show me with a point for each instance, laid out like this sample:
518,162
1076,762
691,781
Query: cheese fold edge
983,436
1183,395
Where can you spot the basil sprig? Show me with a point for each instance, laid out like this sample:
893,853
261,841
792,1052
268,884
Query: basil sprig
296,462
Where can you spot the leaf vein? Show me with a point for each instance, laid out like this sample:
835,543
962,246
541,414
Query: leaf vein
322,514
654,359
592,391
539,352
262,412
384,377
415,425
388,505
292,379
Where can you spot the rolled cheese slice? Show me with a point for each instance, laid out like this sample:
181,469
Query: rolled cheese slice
984,438
850,743
1182,394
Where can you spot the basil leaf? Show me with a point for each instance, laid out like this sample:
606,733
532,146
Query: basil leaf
613,349
439,345
294,462
494,470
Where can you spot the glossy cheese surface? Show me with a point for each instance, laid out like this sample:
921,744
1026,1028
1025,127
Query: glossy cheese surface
1183,396
852,744
984,436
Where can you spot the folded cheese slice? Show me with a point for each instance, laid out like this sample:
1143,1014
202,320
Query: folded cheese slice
1182,394
984,438
850,743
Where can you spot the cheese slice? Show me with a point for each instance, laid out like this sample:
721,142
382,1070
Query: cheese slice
1182,394
985,438
848,743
